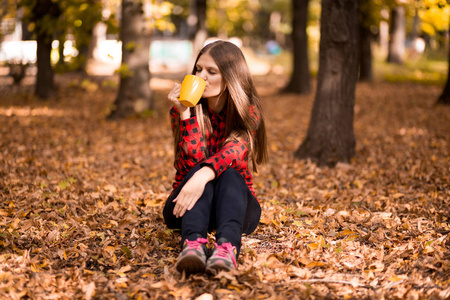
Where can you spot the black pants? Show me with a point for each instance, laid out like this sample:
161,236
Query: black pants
226,205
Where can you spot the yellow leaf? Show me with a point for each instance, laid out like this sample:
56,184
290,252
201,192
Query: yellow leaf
304,260
125,269
346,232
310,177
297,223
33,268
232,287
265,221
13,225
358,184
397,195
428,249
395,278
315,264
276,223
110,188
153,202
313,246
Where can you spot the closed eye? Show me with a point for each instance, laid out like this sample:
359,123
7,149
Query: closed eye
211,71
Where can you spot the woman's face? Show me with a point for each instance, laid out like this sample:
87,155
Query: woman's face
209,71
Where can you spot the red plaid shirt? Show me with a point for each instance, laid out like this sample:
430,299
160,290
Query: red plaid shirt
233,154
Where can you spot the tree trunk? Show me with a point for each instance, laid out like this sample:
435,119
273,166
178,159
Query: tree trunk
62,39
365,52
397,33
383,35
198,33
44,14
300,79
330,137
98,36
44,78
445,96
134,94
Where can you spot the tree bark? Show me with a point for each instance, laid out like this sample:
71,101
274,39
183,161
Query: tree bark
43,13
197,25
134,94
98,36
444,98
62,39
330,137
397,32
365,53
300,82
44,78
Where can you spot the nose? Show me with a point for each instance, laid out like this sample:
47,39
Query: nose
202,74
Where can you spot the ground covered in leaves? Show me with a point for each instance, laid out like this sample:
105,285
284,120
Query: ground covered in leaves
81,201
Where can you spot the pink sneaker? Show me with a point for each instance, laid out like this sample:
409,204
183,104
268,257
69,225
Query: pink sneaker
192,258
222,258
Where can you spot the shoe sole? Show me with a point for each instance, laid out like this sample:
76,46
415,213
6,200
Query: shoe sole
214,269
191,264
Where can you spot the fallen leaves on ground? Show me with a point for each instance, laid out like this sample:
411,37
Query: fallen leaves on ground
82,200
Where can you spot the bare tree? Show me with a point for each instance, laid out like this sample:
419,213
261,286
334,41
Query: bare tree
134,94
300,82
44,14
397,33
197,24
445,96
365,40
330,137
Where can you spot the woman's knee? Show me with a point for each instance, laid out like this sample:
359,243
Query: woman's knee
231,174
231,177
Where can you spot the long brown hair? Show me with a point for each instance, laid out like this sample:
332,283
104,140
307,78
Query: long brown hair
241,123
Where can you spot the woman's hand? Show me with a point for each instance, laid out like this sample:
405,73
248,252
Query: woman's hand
192,191
174,94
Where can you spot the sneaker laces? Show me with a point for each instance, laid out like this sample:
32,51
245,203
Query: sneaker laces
195,244
224,250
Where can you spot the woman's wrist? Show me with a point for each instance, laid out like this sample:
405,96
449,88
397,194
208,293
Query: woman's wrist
206,174
186,114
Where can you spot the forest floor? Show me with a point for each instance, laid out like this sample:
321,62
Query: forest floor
81,201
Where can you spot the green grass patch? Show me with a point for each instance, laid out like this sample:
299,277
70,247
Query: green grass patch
430,68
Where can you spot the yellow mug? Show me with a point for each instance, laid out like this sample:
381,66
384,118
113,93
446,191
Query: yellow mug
192,89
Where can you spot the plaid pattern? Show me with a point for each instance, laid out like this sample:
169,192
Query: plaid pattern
231,155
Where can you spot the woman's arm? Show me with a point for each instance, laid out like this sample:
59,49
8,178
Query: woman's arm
233,154
190,140
192,191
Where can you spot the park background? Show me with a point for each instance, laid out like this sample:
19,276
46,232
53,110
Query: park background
86,158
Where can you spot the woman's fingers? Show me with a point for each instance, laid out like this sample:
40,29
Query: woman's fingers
174,94
180,206
183,203
189,195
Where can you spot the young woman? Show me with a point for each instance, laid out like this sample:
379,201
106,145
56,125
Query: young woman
214,142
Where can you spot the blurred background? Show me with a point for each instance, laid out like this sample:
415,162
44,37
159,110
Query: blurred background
403,40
